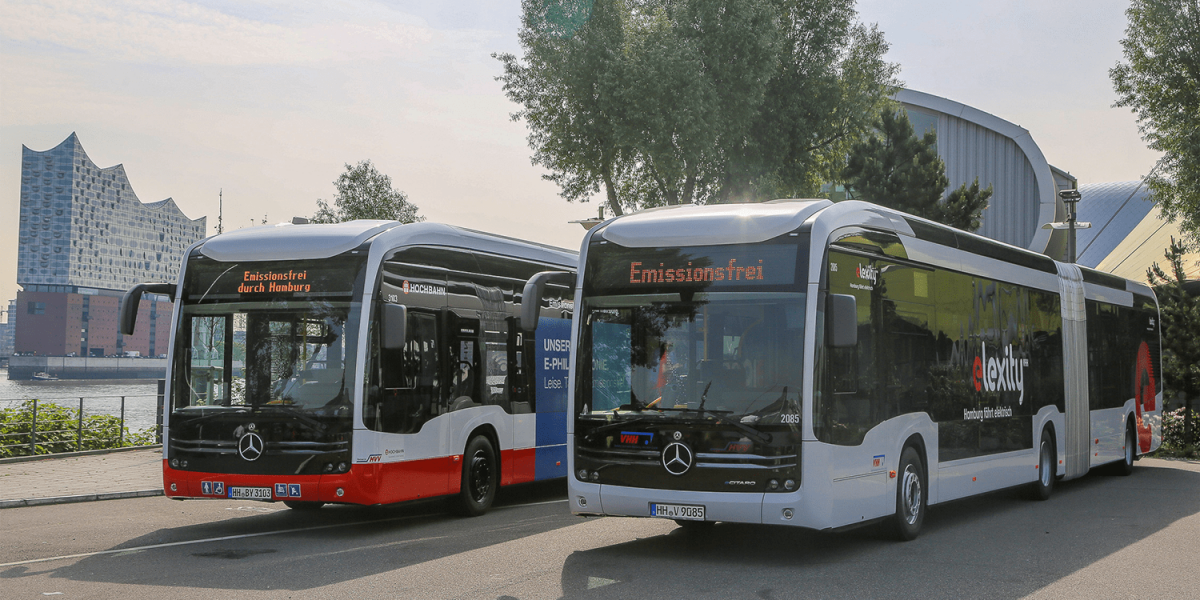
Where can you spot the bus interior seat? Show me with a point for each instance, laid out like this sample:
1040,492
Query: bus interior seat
462,402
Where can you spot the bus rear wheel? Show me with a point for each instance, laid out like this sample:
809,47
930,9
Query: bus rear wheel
911,496
1125,467
479,477
303,505
1047,465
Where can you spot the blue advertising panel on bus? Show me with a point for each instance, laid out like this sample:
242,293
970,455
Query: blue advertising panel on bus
552,359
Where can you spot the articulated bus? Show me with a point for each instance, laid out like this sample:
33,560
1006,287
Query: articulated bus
366,362
827,365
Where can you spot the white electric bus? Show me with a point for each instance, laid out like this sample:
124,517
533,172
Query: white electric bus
822,365
366,362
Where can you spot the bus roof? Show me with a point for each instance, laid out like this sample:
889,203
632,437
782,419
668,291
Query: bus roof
710,225
292,242
313,241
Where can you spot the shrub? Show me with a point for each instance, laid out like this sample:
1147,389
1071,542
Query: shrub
1173,443
58,430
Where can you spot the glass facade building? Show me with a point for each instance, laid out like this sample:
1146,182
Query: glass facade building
83,226
85,238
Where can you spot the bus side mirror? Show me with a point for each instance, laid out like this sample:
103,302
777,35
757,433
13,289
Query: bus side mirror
841,319
531,297
133,298
395,321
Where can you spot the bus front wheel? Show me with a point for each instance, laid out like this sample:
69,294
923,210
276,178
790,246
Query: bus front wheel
911,496
479,477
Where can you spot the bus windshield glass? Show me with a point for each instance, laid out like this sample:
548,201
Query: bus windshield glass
698,349
245,343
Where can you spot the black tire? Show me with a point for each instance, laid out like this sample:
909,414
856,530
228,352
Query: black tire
480,477
912,496
1047,468
303,505
1125,467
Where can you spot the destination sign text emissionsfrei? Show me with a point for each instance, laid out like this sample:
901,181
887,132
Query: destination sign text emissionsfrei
274,282
638,273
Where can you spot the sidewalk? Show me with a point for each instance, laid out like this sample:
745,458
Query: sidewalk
62,479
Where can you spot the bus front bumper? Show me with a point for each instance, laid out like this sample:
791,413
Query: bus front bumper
340,487
731,507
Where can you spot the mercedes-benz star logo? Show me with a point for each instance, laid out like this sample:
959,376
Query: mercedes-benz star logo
677,458
250,447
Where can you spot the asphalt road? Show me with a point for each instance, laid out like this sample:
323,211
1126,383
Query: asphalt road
1098,537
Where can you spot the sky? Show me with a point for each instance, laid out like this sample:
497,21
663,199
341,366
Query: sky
264,102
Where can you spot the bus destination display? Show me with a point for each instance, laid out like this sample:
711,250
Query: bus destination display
714,266
213,280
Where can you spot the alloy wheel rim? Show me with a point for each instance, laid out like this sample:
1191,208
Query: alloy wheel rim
1045,464
480,476
911,494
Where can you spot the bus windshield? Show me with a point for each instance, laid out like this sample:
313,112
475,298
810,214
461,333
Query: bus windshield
277,353
267,336
692,355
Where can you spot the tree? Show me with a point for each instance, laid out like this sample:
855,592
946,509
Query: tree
1160,81
1180,315
674,101
895,168
365,193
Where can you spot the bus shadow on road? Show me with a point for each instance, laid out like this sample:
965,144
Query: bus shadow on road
999,545
268,547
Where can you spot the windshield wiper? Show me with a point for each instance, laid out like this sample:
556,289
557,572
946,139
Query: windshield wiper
591,435
720,415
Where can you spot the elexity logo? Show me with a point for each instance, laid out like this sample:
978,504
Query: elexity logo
868,272
1004,374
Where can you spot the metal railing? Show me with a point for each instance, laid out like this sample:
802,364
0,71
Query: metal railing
52,425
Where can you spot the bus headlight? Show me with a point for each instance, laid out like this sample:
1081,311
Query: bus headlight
595,475
343,467
582,474
328,468
174,463
773,484
789,485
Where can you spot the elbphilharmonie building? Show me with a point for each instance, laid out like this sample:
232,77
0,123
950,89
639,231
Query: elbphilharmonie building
85,238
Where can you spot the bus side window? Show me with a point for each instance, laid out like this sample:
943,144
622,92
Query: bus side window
410,379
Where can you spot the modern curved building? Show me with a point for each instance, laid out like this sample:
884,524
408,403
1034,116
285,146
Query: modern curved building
974,144
84,239
1128,233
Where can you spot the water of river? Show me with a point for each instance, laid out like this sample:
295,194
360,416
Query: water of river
100,396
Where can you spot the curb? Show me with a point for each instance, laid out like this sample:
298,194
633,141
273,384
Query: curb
80,498
19,459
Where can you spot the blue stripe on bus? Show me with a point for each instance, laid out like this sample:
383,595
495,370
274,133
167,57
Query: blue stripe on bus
550,462
551,429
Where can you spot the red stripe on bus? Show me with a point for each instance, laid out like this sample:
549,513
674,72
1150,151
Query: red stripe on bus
377,483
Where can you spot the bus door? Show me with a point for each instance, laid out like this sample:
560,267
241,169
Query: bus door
465,376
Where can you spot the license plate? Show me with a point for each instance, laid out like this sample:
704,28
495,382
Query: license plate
250,493
683,512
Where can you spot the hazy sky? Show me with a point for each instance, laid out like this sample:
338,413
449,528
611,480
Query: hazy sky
268,99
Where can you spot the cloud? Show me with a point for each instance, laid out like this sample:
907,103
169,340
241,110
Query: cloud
179,33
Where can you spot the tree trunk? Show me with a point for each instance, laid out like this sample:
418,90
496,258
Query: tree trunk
611,191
